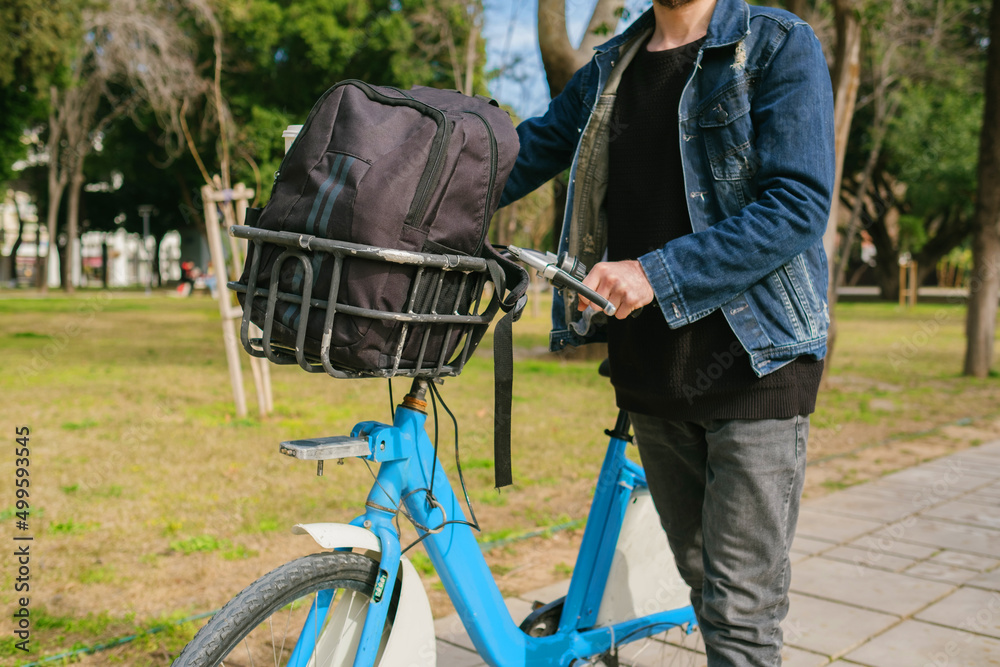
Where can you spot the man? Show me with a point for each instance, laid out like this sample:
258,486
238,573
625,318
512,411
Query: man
700,148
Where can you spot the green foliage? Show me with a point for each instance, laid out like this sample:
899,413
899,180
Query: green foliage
422,563
211,543
282,55
72,527
37,38
932,146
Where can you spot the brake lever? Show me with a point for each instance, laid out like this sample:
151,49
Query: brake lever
547,265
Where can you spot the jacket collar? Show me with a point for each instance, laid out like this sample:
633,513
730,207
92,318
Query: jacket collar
730,23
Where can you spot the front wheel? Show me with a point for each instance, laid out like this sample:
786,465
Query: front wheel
307,612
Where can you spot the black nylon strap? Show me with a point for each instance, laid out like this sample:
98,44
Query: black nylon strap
503,386
511,282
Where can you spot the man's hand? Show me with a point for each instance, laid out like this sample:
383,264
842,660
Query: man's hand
624,284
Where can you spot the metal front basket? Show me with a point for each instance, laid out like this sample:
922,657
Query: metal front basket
448,302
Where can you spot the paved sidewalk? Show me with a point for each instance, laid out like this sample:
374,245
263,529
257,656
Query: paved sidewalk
901,572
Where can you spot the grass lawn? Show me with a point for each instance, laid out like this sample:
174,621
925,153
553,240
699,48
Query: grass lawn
150,502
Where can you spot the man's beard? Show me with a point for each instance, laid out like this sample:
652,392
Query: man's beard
673,4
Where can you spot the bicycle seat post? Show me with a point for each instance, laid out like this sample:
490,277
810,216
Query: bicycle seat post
418,393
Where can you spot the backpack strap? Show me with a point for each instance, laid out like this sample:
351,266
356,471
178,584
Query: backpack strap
503,272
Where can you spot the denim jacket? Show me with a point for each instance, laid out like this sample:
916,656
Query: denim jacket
756,142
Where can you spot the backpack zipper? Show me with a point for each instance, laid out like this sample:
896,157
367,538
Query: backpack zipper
435,165
494,159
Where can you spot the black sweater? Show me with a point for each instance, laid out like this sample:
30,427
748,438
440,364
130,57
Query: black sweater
698,371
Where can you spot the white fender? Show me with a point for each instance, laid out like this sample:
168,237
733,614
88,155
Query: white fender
411,642
643,578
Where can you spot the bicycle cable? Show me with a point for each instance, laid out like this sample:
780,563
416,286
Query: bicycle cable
435,397
431,499
392,404
458,459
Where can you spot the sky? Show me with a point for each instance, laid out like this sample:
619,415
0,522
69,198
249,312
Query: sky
511,36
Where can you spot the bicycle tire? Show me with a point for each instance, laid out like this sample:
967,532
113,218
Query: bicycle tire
226,639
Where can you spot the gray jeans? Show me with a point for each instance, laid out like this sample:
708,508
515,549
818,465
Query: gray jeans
728,496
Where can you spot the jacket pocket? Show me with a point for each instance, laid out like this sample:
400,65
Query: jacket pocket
728,131
793,309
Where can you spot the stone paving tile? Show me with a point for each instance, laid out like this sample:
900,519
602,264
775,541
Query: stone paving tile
794,557
869,558
992,448
992,490
968,609
974,460
984,499
942,476
925,495
679,637
830,628
968,561
989,581
877,590
808,546
450,628
794,657
894,493
946,535
879,543
830,528
546,594
963,512
453,656
948,574
916,644
656,654
981,466
653,653
991,453
863,506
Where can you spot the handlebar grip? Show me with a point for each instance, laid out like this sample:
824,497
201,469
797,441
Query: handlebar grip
562,280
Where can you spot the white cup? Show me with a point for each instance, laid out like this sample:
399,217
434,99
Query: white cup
289,135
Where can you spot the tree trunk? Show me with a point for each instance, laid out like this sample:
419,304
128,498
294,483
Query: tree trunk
63,250
155,264
104,263
56,187
797,7
72,227
846,79
559,57
17,243
57,183
470,58
984,285
881,127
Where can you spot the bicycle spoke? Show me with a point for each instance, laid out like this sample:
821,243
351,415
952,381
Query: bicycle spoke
284,636
246,645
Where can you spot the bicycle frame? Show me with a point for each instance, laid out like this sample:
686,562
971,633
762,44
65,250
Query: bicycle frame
407,463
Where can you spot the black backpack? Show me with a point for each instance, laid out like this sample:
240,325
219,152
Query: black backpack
379,168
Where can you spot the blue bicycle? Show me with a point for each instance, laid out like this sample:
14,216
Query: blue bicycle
361,602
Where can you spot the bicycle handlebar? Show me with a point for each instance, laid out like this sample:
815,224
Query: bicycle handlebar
561,272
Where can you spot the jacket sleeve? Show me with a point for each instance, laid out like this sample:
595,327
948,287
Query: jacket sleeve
548,142
792,115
